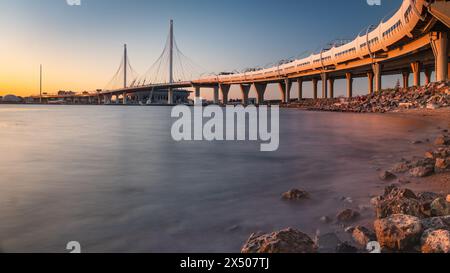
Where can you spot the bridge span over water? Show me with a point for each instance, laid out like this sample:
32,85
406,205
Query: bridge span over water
414,40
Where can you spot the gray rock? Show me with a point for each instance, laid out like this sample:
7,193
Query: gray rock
387,176
363,235
346,248
347,215
440,207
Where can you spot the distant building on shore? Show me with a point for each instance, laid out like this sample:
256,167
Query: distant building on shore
66,93
11,99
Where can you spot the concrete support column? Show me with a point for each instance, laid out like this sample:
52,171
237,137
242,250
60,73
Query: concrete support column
170,96
415,67
300,88
260,90
224,89
378,76
124,101
349,78
216,95
405,75
288,85
245,89
440,46
285,89
331,84
315,81
370,82
427,76
197,94
324,85
117,99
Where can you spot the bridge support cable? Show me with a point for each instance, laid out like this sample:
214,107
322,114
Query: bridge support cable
125,75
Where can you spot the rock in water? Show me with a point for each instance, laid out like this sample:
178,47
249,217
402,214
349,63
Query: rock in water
436,241
347,215
398,232
440,207
363,235
398,201
441,140
442,164
295,195
285,241
387,176
328,243
346,248
421,171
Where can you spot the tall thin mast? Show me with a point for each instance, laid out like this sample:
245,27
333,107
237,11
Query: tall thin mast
40,84
125,65
171,53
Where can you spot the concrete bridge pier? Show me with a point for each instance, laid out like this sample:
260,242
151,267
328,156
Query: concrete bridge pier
427,76
285,89
216,95
370,82
245,90
405,75
260,90
300,88
197,94
439,42
378,77
415,67
170,96
125,99
225,90
324,85
331,84
349,78
315,81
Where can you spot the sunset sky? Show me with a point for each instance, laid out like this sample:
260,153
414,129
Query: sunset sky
81,46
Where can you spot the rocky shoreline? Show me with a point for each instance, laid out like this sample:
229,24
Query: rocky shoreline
433,96
407,221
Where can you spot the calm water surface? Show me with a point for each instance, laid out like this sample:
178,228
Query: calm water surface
113,179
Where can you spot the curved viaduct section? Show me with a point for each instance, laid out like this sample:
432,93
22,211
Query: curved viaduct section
413,40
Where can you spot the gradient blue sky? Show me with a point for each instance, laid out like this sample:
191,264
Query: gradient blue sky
81,47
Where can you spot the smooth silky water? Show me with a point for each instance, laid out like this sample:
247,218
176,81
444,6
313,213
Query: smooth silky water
112,178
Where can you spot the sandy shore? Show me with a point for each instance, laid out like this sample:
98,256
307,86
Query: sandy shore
440,119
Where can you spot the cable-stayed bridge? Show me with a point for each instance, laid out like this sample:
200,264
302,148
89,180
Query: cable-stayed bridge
414,40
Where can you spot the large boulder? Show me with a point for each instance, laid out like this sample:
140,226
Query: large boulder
284,241
397,201
399,232
436,241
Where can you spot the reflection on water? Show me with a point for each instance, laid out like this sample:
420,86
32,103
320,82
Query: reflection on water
113,179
